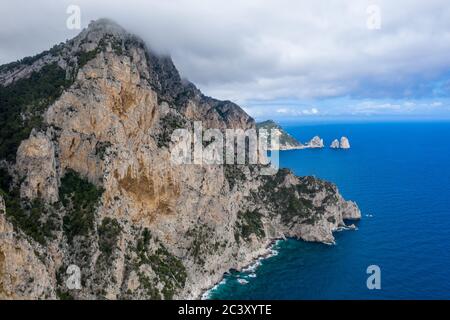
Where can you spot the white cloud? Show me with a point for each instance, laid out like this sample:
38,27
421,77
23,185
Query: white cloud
297,112
437,104
374,107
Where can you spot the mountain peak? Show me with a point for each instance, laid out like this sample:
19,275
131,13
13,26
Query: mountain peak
105,23
106,26
105,36
101,30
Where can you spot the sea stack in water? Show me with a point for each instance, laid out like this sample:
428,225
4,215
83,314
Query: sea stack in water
315,142
345,144
335,144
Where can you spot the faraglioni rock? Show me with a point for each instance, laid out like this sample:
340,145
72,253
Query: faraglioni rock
86,179
315,142
335,144
345,144
342,144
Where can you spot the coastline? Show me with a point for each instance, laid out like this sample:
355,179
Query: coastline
293,148
269,252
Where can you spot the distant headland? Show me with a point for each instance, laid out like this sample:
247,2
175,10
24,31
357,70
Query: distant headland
288,142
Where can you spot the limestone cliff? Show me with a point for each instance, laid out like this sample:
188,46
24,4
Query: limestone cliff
86,179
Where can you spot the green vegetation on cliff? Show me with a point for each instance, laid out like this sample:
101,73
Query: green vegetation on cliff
169,123
234,175
248,223
168,269
23,103
108,234
80,198
33,218
202,246
290,201
28,61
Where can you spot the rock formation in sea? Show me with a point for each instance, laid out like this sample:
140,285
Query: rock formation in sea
342,144
86,179
335,144
345,144
315,142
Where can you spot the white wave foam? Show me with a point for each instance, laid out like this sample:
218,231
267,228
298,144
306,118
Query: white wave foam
207,294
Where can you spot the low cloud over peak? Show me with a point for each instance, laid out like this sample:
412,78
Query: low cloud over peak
252,51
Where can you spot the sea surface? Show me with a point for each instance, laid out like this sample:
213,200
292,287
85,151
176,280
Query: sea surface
399,174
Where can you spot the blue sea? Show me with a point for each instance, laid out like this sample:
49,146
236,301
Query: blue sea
399,174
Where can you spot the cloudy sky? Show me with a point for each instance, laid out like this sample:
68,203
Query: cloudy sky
277,58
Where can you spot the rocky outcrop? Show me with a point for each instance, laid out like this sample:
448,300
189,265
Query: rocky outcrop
345,144
93,184
36,163
335,144
342,144
315,142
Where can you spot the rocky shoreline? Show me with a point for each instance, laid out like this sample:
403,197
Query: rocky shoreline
269,252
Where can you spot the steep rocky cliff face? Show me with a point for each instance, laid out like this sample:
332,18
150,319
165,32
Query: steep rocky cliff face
86,179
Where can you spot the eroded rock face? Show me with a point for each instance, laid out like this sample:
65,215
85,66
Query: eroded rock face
157,230
36,162
22,274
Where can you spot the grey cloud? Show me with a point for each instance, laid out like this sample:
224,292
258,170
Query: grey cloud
241,50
